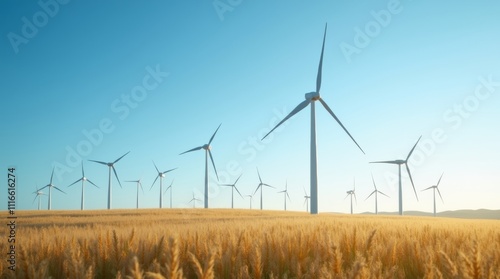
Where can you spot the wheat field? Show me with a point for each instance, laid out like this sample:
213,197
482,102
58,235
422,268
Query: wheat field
217,243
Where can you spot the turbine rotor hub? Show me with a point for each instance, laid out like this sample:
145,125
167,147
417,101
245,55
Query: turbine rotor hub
207,147
313,96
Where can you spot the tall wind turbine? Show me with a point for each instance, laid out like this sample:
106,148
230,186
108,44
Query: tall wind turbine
83,179
434,188
251,198
261,185
171,189
194,200
233,186
50,185
111,166
207,148
161,175
311,98
285,193
352,193
399,163
139,184
306,200
39,195
376,192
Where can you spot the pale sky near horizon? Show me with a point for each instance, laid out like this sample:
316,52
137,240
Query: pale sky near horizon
92,81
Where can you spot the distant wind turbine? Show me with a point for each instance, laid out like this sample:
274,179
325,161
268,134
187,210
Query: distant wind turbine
83,179
111,166
352,193
139,184
399,163
50,185
233,187
311,98
285,193
171,189
161,175
434,188
261,185
376,192
207,148
194,200
251,198
39,195
306,200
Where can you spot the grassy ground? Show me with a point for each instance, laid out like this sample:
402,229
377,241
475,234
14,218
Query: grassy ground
222,243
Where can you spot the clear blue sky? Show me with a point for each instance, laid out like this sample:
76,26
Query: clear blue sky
418,68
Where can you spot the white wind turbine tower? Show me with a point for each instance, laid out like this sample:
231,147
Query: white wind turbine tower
194,200
399,163
306,200
207,148
434,188
161,175
376,192
83,179
233,187
111,166
261,185
171,189
285,193
352,193
251,197
50,185
311,98
139,184
39,195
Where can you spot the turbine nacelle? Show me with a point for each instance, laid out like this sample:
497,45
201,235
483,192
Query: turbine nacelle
206,147
313,96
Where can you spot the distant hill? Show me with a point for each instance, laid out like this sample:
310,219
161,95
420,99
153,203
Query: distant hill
464,214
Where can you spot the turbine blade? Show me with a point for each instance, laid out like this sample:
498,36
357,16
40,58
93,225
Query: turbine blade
384,162
75,182
288,196
238,191
116,175
157,170
121,157
320,67
43,187
409,154
194,149
59,190
439,192
260,185
140,184
34,199
340,123
427,188
269,185
346,196
355,198
83,172
99,162
213,164
92,183
374,182
237,180
212,138
294,111
154,182
382,193
411,179
371,195
52,176
169,170
260,179
439,179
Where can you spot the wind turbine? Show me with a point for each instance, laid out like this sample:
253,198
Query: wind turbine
194,200
139,184
306,200
233,186
83,179
261,185
39,195
207,148
399,163
170,187
434,188
285,193
161,175
111,166
352,193
251,197
376,192
311,98
50,185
